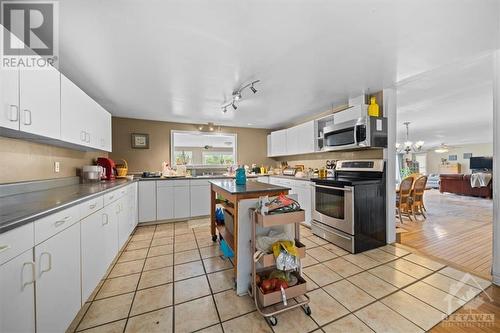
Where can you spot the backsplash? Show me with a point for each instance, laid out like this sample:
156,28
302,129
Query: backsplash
22,160
319,160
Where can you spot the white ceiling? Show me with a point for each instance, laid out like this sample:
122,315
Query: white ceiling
451,105
180,60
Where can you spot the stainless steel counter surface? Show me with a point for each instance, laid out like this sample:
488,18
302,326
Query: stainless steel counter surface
19,209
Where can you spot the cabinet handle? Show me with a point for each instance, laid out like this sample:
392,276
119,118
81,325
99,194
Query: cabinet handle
87,137
82,136
41,261
33,275
14,111
111,197
4,248
104,222
27,112
92,206
61,222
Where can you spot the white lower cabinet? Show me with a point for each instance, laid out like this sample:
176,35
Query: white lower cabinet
164,200
93,244
302,188
58,295
111,215
147,201
17,294
199,200
182,207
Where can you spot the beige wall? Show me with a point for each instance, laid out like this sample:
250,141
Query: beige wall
22,160
434,159
319,160
252,143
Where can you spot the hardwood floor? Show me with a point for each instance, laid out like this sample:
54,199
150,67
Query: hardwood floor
458,229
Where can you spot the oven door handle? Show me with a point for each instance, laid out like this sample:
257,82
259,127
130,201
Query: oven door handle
347,189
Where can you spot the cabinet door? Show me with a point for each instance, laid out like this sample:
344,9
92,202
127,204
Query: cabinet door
103,129
164,202
269,146
123,220
278,143
58,293
93,247
40,107
182,208
304,195
9,99
306,135
147,201
292,140
200,200
75,114
110,228
9,94
17,294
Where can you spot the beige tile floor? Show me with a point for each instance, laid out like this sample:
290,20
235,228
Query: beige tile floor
172,278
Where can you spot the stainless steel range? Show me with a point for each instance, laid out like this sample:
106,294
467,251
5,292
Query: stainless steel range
349,209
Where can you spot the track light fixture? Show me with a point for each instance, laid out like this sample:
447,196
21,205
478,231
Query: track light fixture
253,89
237,95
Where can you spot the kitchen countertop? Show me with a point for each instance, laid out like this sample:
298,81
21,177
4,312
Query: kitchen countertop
250,187
225,177
17,210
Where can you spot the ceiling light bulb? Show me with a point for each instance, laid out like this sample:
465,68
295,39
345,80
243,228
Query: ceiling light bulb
237,96
408,143
224,109
234,106
419,143
398,145
200,127
253,89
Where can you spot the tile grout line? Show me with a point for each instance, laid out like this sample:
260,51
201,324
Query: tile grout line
209,285
138,281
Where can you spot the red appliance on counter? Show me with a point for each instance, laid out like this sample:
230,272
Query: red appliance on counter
109,168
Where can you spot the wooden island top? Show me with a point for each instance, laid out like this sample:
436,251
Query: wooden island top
227,194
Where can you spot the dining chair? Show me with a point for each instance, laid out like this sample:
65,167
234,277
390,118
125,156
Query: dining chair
403,199
417,197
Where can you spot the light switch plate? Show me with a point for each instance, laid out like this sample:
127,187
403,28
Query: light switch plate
57,167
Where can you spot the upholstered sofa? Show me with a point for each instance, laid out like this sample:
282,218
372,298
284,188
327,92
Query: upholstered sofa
460,184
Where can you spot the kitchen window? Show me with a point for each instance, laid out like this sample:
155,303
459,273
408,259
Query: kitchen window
201,149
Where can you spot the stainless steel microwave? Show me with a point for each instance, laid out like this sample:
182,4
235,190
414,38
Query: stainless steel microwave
364,132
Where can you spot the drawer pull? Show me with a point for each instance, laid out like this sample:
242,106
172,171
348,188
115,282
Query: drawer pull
105,221
4,248
92,206
33,275
41,261
111,197
61,222
14,113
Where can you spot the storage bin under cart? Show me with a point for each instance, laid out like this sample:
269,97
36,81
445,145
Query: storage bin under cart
272,303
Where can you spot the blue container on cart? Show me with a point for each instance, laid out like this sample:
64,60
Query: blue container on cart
226,250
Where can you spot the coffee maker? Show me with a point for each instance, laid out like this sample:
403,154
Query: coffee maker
109,168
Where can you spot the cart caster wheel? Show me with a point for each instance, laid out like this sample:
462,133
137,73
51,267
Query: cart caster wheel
272,320
307,310
214,238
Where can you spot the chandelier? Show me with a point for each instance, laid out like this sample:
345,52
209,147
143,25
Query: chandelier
408,146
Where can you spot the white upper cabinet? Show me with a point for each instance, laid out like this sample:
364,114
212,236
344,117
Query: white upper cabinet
83,121
278,143
292,141
9,99
40,107
9,95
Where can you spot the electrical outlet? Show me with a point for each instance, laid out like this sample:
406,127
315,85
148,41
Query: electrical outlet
57,167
